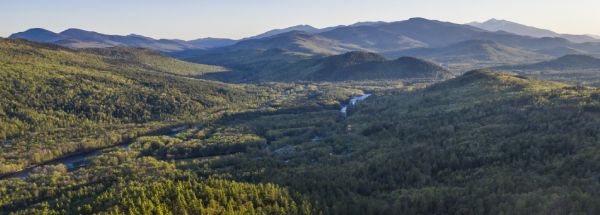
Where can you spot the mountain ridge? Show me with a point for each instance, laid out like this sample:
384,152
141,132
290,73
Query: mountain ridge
39,34
372,38
560,51
297,41
421,32
357,66
260,65
520,29
567,62
380,37
77,38
477,50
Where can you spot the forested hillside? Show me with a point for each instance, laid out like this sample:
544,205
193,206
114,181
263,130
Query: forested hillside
567,62
140,58
258,58
571,69
482,143
58,101
560,51
257,65
125,182
370,66
471,54
247,63
372,38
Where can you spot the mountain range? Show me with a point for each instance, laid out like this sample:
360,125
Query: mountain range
259,65
213,42
516,28
580,69
567,62
397,36
493,43
297,41
472,51
358,65
77,38
560,51
251,59
210,42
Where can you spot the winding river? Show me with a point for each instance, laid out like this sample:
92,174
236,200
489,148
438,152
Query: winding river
70,160
353,101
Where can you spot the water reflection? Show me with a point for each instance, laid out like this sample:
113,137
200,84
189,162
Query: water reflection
353,101
70,161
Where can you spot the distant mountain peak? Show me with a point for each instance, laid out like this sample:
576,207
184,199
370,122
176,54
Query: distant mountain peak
79,38
39,30
417,18
211,42
39,34
306,28
71,30
140,36
498,22
293,33
520,29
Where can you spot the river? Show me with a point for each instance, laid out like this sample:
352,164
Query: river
353,101
70,160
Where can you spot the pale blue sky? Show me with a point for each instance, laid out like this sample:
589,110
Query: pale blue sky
187,19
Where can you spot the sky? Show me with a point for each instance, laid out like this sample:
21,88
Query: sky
236,19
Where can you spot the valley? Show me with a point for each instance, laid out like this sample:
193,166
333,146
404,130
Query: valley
409,117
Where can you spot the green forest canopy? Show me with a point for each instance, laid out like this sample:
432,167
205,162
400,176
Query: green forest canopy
481,143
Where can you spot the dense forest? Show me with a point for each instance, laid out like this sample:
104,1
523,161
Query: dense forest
481,143
57,101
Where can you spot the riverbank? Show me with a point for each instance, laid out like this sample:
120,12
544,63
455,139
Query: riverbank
92,152
353,101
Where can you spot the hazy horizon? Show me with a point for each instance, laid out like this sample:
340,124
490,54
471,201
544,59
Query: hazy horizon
236,19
